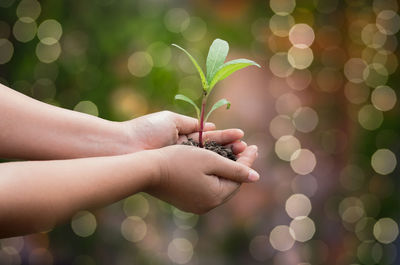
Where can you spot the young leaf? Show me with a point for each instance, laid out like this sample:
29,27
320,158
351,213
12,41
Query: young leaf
188,100
203,78
229,68
216,57
218,104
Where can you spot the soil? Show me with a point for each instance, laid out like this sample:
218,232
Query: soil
215,147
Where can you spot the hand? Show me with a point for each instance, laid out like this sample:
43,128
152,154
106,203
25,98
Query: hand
197,180
165,128
160,129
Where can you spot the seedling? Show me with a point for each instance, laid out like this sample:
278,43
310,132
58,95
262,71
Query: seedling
217,71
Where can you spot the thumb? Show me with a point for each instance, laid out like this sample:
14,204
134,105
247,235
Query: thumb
187,125
238,171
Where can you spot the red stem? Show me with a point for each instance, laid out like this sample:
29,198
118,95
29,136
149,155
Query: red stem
203,106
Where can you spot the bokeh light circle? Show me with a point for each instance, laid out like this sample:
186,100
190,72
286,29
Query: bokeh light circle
88,107
386,230
281,25
383,161
301,35
287,104
281,238
305,119
285,146
281,125
299,79
24,29
196,29
133,229
84,223
29,8
160,53
282,7
279,65
375,75
7,51
369,252
300,57
136,205
370,118
351,209
306,185
49,31
298,205
388,22
180,250
354,69
302,228
140,64
387,58
372,37
48,53
176,20
364,229
303,161
383,98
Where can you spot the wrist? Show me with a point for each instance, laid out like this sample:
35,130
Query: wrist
124,139
151,162
159,168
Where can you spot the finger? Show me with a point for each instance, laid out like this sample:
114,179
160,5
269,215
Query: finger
209,126
248,156
181,139
222,137
238,171
229,189
237,147
187,125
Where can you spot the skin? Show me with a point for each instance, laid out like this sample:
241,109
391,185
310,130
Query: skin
30,129
100,162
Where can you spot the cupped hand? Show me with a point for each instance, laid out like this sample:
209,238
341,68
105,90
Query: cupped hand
197,180
166,128
160,129
228,137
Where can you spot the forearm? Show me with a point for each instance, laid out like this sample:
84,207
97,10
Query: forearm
30,129
34,196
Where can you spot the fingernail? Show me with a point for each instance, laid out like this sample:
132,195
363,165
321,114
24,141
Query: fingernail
253,175
254,148
210,124
244,142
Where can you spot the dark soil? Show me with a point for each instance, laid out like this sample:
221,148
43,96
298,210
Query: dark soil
215,147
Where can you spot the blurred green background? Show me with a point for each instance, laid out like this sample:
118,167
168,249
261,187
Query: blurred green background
323,110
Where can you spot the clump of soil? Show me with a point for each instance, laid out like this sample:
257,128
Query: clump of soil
215,147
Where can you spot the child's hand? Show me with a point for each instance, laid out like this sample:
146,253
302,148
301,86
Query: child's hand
197,180
165,128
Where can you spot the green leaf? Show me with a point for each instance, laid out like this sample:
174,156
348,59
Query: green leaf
229,68
216,57
191,102
203,78
218,104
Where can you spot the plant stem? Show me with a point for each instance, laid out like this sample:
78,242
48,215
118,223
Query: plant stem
203,106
